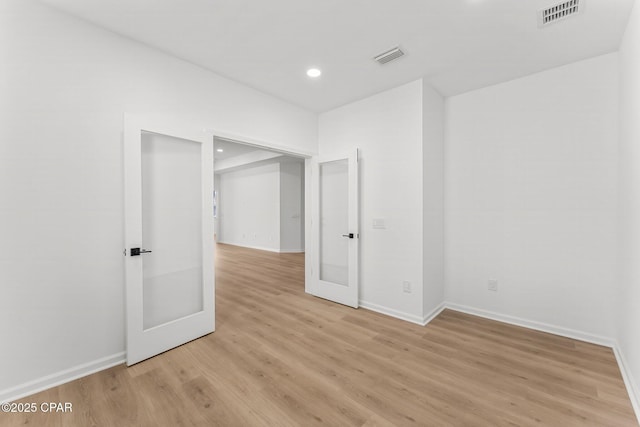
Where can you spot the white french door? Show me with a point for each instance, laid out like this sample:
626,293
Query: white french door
335,231
169,258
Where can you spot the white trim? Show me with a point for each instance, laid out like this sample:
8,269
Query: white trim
390,312
632,388
260,248
309,285
531,324
261,144
433,314
59,378
402,315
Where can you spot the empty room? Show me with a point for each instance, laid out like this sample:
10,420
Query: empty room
423,213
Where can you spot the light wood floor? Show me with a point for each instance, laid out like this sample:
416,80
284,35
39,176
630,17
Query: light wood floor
280,357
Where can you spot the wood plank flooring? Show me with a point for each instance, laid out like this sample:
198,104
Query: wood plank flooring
280,357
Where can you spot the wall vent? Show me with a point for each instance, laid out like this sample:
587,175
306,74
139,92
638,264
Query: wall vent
559,12
389,55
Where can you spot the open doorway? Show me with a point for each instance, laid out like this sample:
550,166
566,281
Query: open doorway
259,216
317,223
258,198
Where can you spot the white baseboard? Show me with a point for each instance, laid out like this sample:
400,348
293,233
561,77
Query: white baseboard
262,248
390,312
433,313
62,377
632,388
531,324
631,385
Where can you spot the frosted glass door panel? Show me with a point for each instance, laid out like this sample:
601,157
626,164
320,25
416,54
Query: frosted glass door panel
171,229
334,222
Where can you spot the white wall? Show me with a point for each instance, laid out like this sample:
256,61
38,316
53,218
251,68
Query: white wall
254,158
292,206
530,184
531,197
433,198
250,207
628,307
261,206
387,127
64,86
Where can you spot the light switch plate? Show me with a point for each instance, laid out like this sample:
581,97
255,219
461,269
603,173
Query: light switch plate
379,223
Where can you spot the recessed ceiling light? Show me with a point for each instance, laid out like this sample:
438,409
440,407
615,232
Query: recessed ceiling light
313,72
219,150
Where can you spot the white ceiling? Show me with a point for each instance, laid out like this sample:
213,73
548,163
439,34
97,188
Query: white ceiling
244,156
231,148
458,45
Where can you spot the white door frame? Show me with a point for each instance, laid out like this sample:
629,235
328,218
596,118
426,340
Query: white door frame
347,295
190,132
141,343
308,156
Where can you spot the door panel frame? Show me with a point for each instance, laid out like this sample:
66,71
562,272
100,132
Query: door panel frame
347,296
140,343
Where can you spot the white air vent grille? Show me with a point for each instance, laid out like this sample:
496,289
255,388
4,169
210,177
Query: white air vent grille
389,55
558,12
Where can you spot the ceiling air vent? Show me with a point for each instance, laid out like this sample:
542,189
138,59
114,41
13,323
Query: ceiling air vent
389,55
558,12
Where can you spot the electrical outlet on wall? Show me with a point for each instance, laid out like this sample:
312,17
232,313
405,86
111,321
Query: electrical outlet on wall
493,285
406,287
